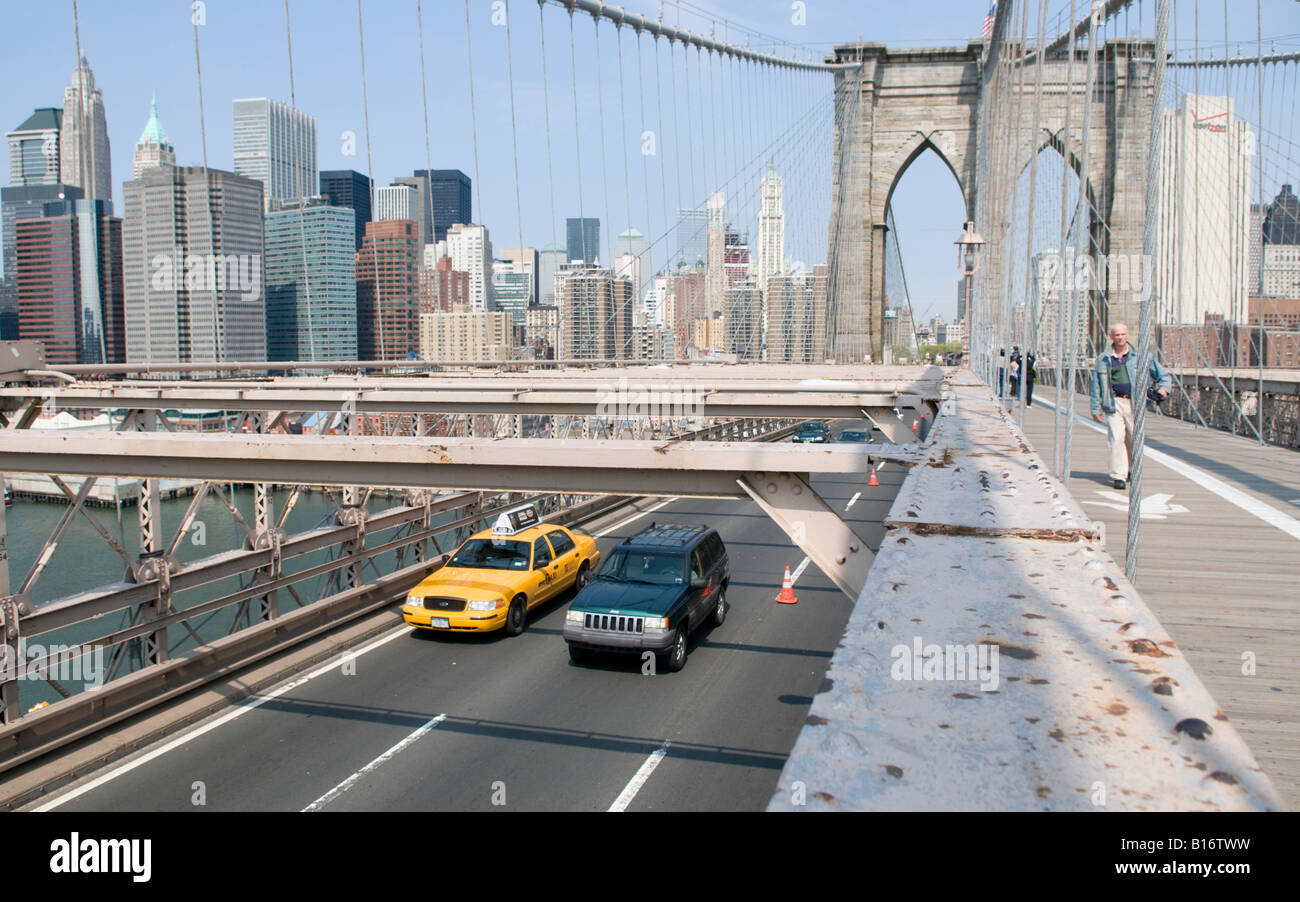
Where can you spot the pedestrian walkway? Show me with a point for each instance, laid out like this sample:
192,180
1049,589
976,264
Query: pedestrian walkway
1218,562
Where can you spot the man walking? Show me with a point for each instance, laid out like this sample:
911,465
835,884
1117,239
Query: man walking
1111,399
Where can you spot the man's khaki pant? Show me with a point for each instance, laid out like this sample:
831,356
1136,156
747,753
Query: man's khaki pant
1119,436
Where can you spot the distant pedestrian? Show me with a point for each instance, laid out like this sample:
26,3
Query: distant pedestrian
1031,376
1111,399
1015,374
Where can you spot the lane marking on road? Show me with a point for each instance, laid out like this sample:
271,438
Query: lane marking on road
1251,505
648,510
256,701
639,778
798,571
243,708
347,784
852,501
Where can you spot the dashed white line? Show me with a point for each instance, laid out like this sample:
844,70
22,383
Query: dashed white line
639,778
1251,505
648,510
243,708
852,501
798,571
347,784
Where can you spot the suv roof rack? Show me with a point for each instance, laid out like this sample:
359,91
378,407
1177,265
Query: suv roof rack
665,535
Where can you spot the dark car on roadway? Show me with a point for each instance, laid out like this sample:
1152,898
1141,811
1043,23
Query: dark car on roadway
812,432
653,590
854,435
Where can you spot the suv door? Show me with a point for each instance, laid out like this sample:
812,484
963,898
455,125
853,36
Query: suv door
699,604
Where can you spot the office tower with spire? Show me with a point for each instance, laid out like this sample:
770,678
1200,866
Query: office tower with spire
85,158
771,227
153,149
275,145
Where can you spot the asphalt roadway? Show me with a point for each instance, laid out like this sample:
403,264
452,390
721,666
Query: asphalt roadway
453,722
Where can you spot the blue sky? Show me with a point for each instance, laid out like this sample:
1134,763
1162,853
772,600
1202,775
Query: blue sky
137,49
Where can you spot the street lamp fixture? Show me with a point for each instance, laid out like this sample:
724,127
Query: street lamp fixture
970,247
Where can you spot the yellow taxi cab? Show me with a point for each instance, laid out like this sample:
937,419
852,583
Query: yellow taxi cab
500,574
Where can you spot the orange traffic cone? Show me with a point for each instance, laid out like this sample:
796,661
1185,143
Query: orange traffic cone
914,422
787,590
873,481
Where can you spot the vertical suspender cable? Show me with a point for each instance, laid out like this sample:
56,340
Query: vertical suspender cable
1064,297
374,245
1149,247
302,201
1033,203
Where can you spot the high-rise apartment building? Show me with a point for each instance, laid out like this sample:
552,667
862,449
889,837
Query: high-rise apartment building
583,237
467,335
716,274
744,316
796,316
69,279
1204,210
388,288
441,287
85,159
153,149
470,249
311,281
351,189
192,260
771,227
275,145
595,315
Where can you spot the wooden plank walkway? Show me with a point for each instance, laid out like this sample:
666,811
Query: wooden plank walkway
1224,582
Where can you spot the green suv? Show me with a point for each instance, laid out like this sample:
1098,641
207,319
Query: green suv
651,592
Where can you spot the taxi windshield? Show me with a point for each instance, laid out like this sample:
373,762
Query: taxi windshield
643,567
491,554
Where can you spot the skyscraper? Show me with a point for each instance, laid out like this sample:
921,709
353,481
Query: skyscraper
84,154
715,282
796,316
20,202
470,249
583,237
34,149
69,276
549,261
1204,210
771,227
311,282
528,259
388,289
192,266
348,188
510,289
396,202
595,315
692,237
153,148
275,145
449,200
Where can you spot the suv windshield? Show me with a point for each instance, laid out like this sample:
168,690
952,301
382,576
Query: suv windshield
491,554
661,569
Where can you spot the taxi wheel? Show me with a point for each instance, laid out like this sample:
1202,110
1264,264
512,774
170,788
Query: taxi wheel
516,617
584,576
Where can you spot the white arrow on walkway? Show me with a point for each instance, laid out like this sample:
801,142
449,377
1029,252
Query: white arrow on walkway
1154,507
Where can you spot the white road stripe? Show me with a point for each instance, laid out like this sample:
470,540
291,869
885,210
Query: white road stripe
852,501
798,571
648,510
396,749
639,778
1251,505
243,708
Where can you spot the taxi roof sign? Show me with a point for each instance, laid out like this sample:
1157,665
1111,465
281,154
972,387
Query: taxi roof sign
517,520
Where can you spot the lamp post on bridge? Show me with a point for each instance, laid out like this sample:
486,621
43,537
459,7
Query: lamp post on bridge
970,248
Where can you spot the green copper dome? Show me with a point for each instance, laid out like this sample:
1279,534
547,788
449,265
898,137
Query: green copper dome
153,131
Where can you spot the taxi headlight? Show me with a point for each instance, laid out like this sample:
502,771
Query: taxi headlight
574,616
656,623
490,604
414,600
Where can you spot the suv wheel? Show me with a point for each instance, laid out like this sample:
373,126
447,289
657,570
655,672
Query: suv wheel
675,659
516,617
583,577
720,610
